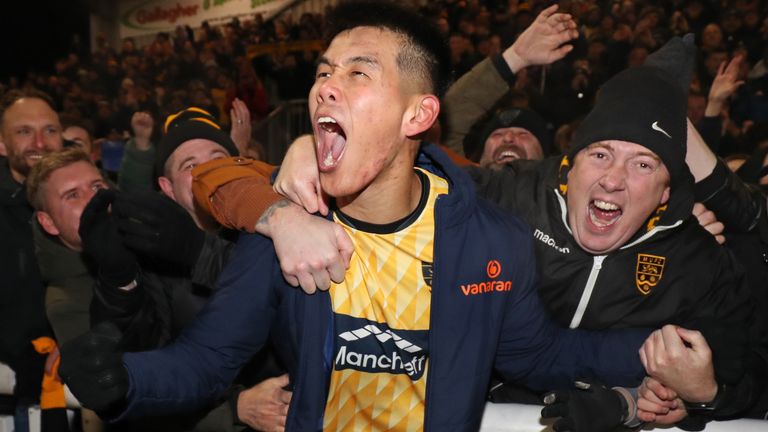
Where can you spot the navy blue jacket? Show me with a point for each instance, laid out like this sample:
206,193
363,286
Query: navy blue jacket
485,313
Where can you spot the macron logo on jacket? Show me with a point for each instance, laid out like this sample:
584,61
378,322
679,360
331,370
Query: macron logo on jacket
549,241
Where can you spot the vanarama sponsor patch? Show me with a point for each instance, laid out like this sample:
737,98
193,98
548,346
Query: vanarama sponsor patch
493,270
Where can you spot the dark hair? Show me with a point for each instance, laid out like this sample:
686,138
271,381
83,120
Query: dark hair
68,121
12,96
424,53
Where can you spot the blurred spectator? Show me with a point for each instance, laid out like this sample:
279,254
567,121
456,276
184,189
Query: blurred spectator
613,35
249,89
77,133
507,135
137,166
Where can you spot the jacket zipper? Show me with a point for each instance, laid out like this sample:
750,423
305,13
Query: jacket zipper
597,264
427,399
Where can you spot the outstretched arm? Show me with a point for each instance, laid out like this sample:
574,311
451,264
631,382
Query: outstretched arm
204,360
738,206
543,42
312,251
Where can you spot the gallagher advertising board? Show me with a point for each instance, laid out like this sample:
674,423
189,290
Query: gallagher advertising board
140,17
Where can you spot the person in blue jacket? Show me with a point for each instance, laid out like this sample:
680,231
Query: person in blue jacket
441,287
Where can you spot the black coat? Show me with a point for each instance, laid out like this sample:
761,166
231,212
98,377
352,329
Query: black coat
22,307
675,273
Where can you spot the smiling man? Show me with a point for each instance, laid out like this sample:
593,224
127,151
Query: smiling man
29,129
508,135
402,343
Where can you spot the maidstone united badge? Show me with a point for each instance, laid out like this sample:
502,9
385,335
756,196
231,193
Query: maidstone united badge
649,271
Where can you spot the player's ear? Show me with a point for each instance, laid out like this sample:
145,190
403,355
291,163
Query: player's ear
421,115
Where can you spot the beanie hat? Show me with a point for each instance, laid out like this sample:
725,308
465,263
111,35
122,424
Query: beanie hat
677,57
191,123
646,105
641,105
514,117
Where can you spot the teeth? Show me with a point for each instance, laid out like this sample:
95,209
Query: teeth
606,206
508,154
328,124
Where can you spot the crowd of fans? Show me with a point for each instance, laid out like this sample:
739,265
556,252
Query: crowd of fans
126,94
208,67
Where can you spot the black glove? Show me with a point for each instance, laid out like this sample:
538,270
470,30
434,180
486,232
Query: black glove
155,225
92,367
102,243
591,407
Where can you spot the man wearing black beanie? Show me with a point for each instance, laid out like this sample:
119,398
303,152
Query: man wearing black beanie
618,248
507,135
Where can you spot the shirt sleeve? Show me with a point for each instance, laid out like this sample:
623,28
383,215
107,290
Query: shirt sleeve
235,191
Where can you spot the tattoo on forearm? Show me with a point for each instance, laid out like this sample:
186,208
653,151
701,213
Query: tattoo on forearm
269,211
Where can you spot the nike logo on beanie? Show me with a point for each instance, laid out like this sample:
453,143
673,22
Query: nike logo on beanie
655,126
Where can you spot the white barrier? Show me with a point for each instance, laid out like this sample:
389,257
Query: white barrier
496,418
525,418
7,379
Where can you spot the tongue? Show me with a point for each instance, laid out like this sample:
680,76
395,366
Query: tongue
332,147
337,146
605,215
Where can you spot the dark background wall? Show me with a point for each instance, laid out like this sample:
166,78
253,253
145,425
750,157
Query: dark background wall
34,33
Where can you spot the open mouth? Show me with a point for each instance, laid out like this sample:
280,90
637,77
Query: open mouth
506,154
603,214
34,156
331,142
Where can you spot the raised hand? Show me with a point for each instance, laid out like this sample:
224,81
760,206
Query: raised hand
544,41
726,83
103,244
241,125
